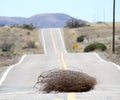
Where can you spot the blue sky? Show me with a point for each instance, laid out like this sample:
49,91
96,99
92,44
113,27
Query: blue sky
90,10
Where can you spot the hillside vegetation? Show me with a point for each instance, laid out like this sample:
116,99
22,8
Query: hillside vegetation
16,41
94,33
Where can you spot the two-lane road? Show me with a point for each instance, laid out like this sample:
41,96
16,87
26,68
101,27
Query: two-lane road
52,41
20,80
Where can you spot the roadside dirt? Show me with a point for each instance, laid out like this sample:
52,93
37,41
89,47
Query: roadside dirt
110,57
25,42
6,61
23,39
9,60
95,32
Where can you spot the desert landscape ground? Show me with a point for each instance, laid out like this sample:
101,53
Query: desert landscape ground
94,32
17,41
24,39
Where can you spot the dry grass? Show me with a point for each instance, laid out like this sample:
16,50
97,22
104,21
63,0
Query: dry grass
95,32
20,37
6,60
65,81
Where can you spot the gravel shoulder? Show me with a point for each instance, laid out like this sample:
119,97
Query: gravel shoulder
110,57
5,62
25,42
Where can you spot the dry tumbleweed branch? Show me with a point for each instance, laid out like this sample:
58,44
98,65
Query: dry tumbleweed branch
65,81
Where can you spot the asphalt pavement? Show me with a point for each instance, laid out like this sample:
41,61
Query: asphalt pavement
18,83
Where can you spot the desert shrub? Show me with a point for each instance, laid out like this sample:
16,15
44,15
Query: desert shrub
80,38
28,33
65,81
99,22
75,23
119,38
90,47
94,46
6,46
101,46
31,44
118,49
27,26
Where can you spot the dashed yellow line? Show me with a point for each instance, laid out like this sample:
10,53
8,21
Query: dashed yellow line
71,96
53,42
63,62
57,99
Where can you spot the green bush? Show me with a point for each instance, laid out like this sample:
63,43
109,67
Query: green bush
95,46
90,47
80,38
6,47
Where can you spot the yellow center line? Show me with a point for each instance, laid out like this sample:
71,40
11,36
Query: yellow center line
53,42
71,96
57,99
63,62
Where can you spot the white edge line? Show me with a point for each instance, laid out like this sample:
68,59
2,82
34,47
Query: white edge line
9,68
62,40
97,55
45,51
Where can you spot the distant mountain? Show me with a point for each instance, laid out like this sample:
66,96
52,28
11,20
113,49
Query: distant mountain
12,20
50,20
